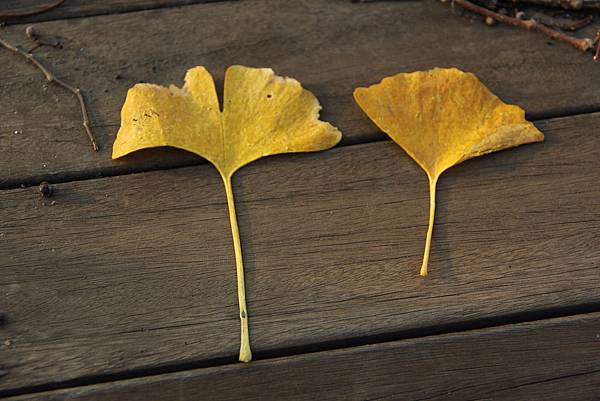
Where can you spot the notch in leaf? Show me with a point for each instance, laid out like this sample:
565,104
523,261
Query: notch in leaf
442,117
263,115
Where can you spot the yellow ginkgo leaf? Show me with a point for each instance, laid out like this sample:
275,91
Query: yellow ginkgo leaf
263,115
442,117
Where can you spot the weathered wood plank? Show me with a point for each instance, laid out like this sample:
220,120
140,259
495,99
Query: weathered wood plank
555,359
137,271
330,46
81,8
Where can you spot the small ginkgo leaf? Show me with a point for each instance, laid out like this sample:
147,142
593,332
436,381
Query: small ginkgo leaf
263,115
442,117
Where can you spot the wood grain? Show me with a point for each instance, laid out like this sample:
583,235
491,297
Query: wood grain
82,8
330,46
556,359
137,271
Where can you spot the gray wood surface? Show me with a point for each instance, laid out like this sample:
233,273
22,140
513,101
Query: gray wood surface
330,46
134,275
556,359
137,271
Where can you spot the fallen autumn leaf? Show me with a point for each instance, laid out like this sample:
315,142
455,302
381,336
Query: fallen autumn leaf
263,115
442,117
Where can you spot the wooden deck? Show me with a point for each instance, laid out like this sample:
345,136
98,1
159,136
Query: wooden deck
122,285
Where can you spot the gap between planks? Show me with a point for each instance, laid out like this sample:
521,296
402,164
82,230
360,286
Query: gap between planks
545,321
126,169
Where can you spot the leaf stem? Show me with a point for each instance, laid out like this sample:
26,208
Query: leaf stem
245,353
432,190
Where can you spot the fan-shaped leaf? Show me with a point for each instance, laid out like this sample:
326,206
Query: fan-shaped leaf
442,117
263,115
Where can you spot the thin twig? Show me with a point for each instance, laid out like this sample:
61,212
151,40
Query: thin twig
582,44
50,77
565,25
597,44
564,4
40,40
39,10
578,24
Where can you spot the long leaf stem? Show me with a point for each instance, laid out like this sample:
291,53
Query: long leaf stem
245,353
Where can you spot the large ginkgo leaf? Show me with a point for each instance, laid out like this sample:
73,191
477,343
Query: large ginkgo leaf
442,117
263,115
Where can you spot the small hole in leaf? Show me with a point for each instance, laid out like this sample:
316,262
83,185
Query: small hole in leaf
269,96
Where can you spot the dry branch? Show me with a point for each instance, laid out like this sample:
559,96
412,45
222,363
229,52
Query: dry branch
50,77
40,40
564,4
597,44
583,44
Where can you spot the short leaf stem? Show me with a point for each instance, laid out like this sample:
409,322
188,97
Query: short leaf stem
245,353
432,191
